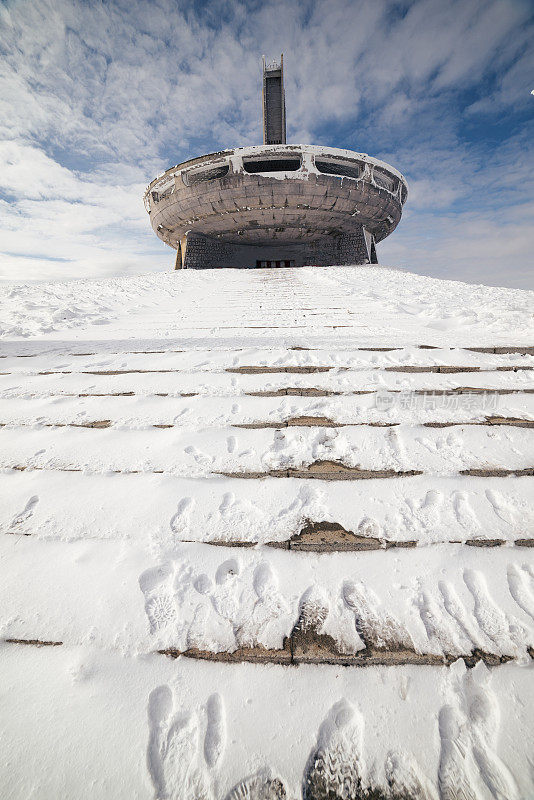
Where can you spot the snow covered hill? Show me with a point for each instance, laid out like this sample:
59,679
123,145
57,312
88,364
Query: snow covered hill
266,534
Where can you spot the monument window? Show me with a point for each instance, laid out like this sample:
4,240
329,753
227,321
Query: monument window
338,168
384,180
209,174
271,165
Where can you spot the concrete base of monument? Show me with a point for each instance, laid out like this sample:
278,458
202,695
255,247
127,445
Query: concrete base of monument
197,251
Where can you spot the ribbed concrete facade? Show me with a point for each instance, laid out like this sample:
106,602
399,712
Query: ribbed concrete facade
283,205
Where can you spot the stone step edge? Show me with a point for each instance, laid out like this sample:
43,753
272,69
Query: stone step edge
291,392
307,370
331,470
302,422
499,350
303,648
316,471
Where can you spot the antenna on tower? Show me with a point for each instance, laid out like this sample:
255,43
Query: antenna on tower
274,103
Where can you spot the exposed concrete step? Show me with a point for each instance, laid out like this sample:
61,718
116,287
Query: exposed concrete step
297,391
293,370
341,608
332,471
331,537
503,349
309,648
355,452
337,471
307,645
324,422
99,349
33,642
300,422
223,383
427,510
449,370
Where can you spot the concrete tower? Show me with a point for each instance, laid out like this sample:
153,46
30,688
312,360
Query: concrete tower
277,204
274,103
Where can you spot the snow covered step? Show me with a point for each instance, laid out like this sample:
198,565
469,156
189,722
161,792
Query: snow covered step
279,358
420,509
380,409
55,351
387,607
350,452
224,383
361,727
380,305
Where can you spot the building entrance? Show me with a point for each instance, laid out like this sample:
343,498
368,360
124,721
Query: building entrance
273,264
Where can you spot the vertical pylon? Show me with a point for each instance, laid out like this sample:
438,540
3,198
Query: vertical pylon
274,105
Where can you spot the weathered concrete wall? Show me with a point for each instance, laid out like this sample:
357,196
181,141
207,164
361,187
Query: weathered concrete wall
204,252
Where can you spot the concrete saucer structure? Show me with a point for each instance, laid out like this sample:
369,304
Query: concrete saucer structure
276,204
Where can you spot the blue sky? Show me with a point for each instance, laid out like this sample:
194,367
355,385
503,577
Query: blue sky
96,98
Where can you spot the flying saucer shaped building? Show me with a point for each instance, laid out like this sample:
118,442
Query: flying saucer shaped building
276,204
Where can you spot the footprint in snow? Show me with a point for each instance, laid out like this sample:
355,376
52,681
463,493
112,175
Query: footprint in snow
160,608
430,508
225,595
196,634
215,737
369,528
262,786
201,458
463,511
27,512
231,444
521,588
502,507
456,775
180,522
375,626
268,606
484,716
405,778
335,767
179,762
440,629
314,608
456,609
491,619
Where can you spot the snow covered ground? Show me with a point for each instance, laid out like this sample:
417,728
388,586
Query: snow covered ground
266,534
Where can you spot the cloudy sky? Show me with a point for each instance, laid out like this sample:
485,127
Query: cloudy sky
97,97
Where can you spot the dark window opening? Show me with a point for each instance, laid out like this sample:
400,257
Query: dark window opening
272,165
384,180
206,175
274,264
343,170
